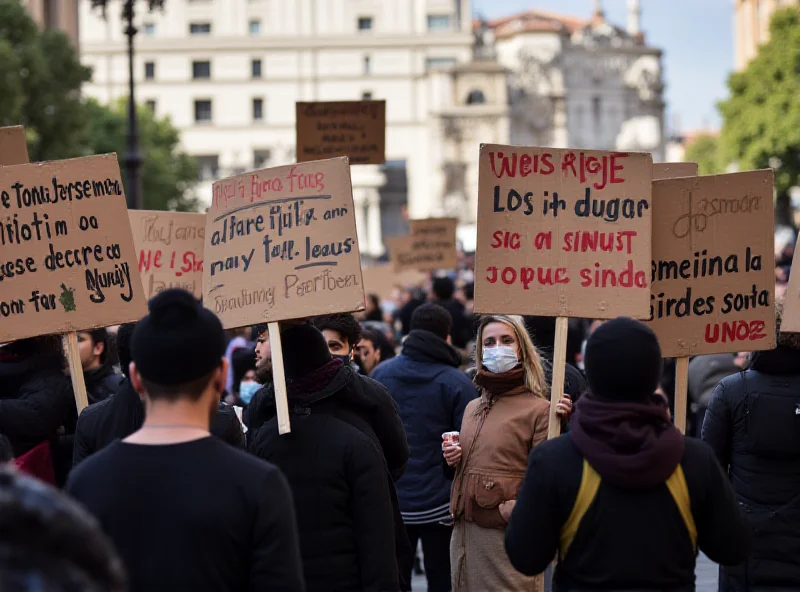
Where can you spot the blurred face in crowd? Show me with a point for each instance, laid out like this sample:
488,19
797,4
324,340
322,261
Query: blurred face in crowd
263,372
90,351
368,355
338,345
497,334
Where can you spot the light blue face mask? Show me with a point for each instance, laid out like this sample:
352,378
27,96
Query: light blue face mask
247,389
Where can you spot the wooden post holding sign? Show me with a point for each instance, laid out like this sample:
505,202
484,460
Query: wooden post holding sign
713,277
281,244
169,248
430,246
674,170
72,260
356,129
563,233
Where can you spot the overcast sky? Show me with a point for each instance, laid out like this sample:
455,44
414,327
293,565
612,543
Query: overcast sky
695,74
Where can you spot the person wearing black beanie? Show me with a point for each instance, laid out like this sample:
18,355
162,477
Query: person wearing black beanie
624,500
158,492
335,466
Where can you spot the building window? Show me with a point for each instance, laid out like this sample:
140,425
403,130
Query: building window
367,65
149,70
255,68
261,158
439,22
254,26
199,28
149,29
151,104
476,97
201,70
202,111
207,167
365,23
258,109
440,63
366,96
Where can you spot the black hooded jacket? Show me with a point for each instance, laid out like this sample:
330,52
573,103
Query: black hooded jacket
632,536
121,414
101,383
753,425
341,489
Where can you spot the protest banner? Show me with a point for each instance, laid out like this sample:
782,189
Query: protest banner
790,320
169,249
563,233
13,147
382,280
674,170
430,246
281,244
356,129
68,261
713,276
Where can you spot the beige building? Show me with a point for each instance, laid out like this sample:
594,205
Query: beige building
56,14
752,26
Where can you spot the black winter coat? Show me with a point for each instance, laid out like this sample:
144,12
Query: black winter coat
340,487
120,415
101,383
753,425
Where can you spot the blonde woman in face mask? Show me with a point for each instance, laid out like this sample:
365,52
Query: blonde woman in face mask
497,433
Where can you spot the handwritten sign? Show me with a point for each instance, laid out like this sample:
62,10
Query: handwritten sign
13,148
674,170
356,129
790,320
169,248
430,246
712,272
281,244
67,260
563,232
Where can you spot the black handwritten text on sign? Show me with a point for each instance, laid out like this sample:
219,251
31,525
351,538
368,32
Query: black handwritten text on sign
281,243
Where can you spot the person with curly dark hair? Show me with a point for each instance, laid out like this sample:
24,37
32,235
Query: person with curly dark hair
342,332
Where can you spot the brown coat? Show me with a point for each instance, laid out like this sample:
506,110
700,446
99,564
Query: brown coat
496,437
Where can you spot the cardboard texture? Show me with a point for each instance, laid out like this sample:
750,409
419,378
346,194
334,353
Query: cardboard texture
169,249
281,244
430,246
713,278
13,148
356,129
68,261
790,321
674,170
381,280
563,232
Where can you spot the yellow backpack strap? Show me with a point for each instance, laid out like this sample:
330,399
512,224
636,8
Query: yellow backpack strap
680,493
590,483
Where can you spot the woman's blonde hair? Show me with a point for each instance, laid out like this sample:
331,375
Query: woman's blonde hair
530,358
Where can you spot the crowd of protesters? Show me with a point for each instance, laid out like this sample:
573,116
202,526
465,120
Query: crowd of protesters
416,425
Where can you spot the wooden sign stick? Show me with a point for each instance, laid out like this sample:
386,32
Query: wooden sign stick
681,392
559,370
70,344
279,378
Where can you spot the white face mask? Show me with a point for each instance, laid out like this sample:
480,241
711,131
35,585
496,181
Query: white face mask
500,359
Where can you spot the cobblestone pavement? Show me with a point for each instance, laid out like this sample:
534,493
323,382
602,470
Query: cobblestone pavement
706,577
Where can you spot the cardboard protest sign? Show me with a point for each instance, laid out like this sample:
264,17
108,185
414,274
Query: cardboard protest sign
673,170
790,320
430,246
563,232
356,129
382,279
13,148
169,248
67,260
281,244
712,272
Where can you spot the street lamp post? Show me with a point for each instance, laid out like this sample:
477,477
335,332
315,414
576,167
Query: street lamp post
132,159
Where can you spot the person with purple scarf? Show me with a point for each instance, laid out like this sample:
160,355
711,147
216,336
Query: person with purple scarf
623,500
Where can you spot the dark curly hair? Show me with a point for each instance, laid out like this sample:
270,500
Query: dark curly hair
344,324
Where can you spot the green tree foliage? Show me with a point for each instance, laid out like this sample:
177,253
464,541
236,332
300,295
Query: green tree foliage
168,173
761,119
40,81
705,151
